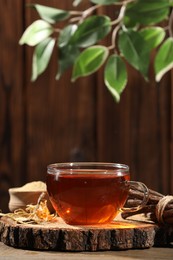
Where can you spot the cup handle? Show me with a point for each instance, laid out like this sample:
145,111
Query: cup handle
144,189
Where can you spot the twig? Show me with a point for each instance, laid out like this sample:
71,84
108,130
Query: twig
121,15
170,24
118,21
83,14
114,34
90,11
76,12
151,208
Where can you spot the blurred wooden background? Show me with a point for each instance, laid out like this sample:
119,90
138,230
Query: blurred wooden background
57,121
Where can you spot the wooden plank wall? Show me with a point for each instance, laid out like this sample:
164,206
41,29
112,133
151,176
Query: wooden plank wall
56,121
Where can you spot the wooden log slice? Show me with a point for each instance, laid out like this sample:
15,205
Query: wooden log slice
58,236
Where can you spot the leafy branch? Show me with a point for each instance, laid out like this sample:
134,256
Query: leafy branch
135,32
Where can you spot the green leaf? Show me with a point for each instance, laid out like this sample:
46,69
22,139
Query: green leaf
104,2
67,52
148,11
89,61
153,36
91,31
41,57
67,56
134,48
36,32
50,14
164,59
115,76
66,34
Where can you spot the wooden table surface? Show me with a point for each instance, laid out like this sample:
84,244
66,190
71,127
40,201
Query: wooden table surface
7,252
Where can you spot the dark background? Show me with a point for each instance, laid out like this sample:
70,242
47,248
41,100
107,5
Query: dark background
57,121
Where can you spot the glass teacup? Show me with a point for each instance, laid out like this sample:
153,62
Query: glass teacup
90,193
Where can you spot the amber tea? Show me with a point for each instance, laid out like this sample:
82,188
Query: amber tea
88,196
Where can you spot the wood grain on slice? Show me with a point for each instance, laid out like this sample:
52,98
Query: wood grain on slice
58,236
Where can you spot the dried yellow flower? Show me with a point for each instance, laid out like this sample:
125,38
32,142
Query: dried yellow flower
33,214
